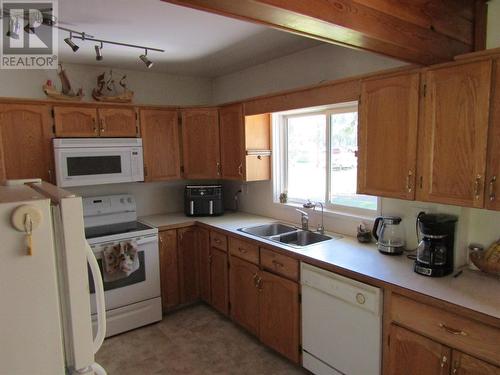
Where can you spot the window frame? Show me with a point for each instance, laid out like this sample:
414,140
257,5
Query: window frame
280,166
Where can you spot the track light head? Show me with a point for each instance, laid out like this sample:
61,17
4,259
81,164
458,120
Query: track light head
72,45
145,59
98,52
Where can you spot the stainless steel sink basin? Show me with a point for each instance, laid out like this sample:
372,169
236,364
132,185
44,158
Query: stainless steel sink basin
301,238
287,234
268,230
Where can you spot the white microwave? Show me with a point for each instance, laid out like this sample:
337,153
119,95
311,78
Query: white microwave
96,161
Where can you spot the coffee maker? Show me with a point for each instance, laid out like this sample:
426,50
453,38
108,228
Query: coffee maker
435,248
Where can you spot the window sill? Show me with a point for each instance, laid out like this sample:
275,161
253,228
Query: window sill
332,213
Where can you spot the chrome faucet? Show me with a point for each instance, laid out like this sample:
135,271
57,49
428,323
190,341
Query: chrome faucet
304,219
309,204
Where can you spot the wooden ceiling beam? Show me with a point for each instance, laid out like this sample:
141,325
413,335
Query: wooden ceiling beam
419,31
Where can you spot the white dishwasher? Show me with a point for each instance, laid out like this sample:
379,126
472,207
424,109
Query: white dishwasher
341,324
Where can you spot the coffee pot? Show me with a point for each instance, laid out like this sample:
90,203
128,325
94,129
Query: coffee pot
389,235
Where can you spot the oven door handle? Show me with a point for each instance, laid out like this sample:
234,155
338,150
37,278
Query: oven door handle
99,297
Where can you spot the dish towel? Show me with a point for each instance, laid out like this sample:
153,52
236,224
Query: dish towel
120,260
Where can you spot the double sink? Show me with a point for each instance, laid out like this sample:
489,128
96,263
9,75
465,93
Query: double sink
287,234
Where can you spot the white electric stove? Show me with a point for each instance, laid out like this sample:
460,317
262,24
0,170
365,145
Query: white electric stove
135,300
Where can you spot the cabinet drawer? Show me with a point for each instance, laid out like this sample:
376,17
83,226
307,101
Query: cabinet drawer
458,332
218,240
244,250
279,263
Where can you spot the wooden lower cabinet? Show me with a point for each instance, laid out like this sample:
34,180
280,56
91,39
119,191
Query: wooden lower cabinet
219,280
204,265
279,313
463,364
244,295
169,269
414,354
188,264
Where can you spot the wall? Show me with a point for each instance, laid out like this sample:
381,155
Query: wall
493,34
149,87
307,67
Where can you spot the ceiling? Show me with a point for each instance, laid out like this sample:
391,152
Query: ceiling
196,43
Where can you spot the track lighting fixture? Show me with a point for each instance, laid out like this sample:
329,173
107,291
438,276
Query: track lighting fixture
70,43
98,52
145,59
14,28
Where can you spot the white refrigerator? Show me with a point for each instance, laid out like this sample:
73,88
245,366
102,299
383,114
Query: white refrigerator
45,319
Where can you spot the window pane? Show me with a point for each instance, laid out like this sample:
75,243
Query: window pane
344,144
307,157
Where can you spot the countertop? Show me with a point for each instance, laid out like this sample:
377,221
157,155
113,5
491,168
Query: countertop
472,290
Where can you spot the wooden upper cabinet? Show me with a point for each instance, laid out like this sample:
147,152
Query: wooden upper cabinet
387,136
118,122
188,264
492,196
200,143
463,364
232,142
243,294
169,269
76,121
279,313
26,142
453,135
160,139
258,147
413,354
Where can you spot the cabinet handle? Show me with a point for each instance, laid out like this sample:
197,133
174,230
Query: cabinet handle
161,240
217,241
453,331
455,368
242,250
240,169
102,126
218,169
477,187
408,181
50,175
443,361
94,124
278,264
259,284
255,280
492,193
210,258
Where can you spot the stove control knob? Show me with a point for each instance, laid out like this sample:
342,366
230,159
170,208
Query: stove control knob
129,200
122,200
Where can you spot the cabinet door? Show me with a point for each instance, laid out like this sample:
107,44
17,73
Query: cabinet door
188,264
160,139
26,142
463,364
452,144
76,122
412,354
493,165
204,266
232,142
243,294
219,280
387,136
118,122
169,269
279,315
200,141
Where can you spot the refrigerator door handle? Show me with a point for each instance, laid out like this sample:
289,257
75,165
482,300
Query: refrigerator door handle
99,296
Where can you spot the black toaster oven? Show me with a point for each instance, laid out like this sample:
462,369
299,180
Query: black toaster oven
203,200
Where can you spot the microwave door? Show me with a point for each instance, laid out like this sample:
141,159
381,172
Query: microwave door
94,167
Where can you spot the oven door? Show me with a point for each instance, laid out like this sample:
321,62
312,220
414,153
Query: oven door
98,165
141,285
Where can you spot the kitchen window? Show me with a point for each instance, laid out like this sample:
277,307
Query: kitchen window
317,149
